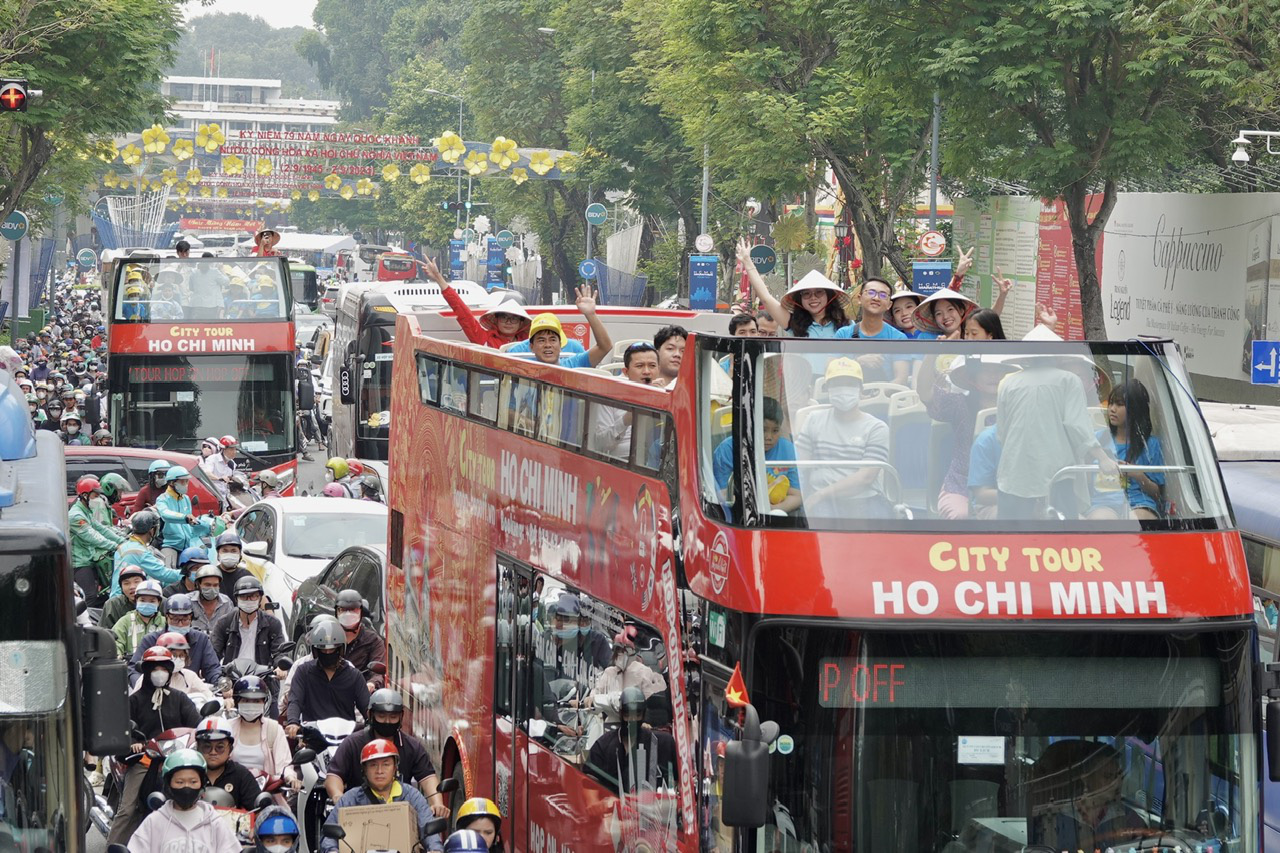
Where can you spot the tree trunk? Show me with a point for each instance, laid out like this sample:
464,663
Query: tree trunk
1084,247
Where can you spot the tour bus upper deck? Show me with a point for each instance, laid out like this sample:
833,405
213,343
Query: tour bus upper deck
164,290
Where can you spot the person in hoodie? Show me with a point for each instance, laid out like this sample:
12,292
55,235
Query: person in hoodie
184,824
182,529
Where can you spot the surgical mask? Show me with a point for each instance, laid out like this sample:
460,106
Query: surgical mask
184,798
179,664
180,629
278,848
584,630
349,618
228,561
148,608
180,488
159,678
248,605
844,399
72,429
209,593
329,659
567,633
328,475
251,711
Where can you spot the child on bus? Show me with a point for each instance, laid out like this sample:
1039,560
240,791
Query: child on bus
1129,432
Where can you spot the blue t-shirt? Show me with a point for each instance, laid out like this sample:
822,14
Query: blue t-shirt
1152,454
920,335
523,346
817,330
575,359
984,459
886,333
783,451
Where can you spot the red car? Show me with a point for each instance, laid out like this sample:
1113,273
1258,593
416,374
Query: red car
132,463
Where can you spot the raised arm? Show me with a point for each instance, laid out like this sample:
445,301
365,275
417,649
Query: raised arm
1005,285
471,327
963,264
586,303
781,315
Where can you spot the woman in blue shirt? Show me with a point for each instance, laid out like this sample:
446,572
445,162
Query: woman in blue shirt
814,308
1129,430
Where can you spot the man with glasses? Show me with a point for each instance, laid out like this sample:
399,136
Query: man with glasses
873,302
215,740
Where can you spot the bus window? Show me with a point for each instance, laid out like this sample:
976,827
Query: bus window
650,438
155,290
610,431
484,396
454,393
1264,564
428,379
560,418
518,406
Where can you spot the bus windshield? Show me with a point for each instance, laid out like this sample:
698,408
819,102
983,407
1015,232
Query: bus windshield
374,415
992,741
172,402
162,290
873,435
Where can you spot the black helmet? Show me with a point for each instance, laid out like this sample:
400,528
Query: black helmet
328,635
386,701
247,585
350,599
631,701
143,522
250,687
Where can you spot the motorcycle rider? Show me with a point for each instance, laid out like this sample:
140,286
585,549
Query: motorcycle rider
211,604
268,483
465,841
184,824
189,562
153,708
386,712
144,618
221,467
181,529
92,543
249,632
260,743
370,489
337,471
153,488
276,830
113,487
119,605
328,686
364,647
229,551
136,551
185,677
378,762
69,430
38,416
179,610
481,816
614,759
215,741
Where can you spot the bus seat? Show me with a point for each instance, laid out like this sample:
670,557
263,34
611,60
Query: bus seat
820,389
598,370
802,415
613,368
506,347
620,347
986,418
896,827
876,396
972,798
941,445
909,433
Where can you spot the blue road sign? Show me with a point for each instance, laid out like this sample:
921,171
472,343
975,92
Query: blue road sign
930,276
14,226
587,269
1266,363
506,239
702,282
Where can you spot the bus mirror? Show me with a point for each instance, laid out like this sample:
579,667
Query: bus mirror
345,381
106,718
448,786
1273,739
744,800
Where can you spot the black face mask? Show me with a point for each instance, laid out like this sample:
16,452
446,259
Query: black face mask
184,798
329,660
386,730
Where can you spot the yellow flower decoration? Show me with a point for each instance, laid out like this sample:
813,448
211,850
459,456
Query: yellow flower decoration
332,182
476,163
260,203
364,186
377,191
567,163
169,177
205,192
420,173
295,195
313,195
210,137
131,155
107,151
182,188
450,146
347,191
541,162
154,139
519,176
193,176
221,193
503,153
182,199
110,180
232,165
390,172
183,150
264,167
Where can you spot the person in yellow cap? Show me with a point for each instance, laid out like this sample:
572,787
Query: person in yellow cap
134,306
852,447
547,337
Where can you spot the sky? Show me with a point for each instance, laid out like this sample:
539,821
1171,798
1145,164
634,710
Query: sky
278,13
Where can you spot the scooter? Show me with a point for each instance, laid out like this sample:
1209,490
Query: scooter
322,739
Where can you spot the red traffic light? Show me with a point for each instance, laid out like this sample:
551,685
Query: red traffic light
13,96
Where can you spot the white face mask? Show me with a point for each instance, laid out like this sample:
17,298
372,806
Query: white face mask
229,561
72,429
251,711
844,399
349,618
159,678
278,848
248,605
179,664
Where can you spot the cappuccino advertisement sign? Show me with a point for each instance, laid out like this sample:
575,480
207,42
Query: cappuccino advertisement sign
1201,269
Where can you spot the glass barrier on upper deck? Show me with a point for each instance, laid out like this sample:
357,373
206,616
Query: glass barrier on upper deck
164,290
924,434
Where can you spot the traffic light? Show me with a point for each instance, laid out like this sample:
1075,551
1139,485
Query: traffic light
13,96
455,206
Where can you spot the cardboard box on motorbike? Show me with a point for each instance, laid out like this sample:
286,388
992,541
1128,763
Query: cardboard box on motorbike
390,826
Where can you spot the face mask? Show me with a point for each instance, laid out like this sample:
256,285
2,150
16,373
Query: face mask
252,710
387,730
278,848
184,798
159,678
209,593
228,561
349,618
248,605
147,608
72,429
328,660
844,399
180,629
180,488
179,664
328,475
567,633
32,409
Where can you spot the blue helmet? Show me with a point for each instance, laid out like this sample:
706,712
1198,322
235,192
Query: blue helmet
250,686
157,467
275,820
194,554
176,472
178,604
466,841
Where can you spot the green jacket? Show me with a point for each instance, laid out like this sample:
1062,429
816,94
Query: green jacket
90,541
131,628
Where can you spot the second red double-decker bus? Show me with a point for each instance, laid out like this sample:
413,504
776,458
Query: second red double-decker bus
597,590
204,347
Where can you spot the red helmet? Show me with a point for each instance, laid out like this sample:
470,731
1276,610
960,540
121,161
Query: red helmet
379,748
158,655
172,640
355,468
87,485
228,441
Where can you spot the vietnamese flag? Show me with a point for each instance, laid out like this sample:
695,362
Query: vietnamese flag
736,692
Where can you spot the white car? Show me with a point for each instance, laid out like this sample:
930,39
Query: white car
297,537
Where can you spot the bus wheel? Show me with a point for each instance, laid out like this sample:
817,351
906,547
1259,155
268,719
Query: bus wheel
459,795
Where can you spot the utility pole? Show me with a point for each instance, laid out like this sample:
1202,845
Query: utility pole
706,185
933,163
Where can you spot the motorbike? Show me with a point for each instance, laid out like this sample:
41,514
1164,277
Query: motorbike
240,667
321,739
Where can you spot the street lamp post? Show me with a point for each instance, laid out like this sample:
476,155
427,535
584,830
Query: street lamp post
460,101
842,235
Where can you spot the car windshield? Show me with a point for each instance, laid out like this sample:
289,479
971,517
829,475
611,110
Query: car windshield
162,290
870,434
322,535
995,741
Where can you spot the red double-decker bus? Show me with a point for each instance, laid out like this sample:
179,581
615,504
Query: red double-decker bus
204,347
1062,667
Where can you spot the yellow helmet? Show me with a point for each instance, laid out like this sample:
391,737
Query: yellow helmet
478,807
133,290
547,321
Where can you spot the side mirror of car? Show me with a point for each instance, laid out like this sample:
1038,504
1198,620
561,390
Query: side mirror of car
256,549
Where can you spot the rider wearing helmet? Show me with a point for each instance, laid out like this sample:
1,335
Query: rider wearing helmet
102,438
481,816
260,742
327,686
130,578
364,647
613,757
250,631
185,677
182,529
153,488
465,841
276,831
268,483
334,490
220,466
69,430
136,551
153,708
38,417
92,543
189,562
228,553
179,611
144,618
113,487
216,741
386,712
211,604
370,489
53,412
337,471
184,822
378,762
